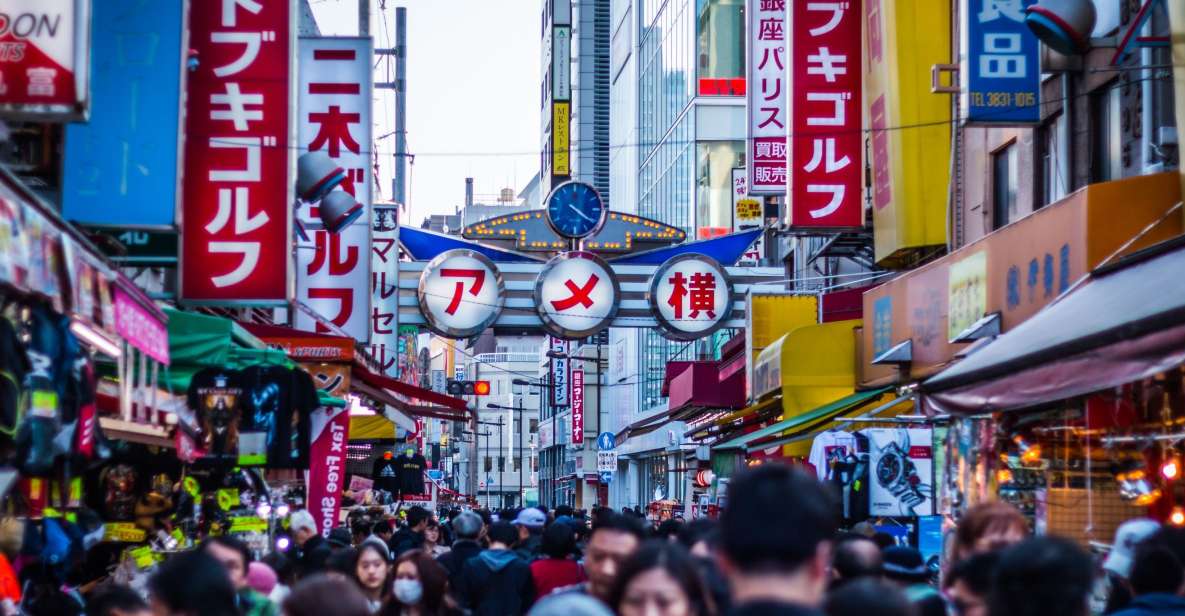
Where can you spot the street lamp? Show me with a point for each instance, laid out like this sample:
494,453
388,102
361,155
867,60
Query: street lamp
521,466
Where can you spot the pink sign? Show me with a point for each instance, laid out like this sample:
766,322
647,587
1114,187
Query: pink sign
327,466
577,407
140,328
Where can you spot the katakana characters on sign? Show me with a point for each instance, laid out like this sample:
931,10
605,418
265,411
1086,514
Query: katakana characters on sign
579,296
576,295
824,177
766,74
384,289
235,244
690,296
461,293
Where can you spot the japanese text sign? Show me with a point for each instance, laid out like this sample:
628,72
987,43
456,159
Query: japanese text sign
332,275
826,169
140,328
560,373
461,293
578,407
576,295
747,213
45,57
384,293
1002,71
236,213
690,296
766,96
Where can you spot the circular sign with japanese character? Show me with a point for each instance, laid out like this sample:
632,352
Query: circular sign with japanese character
461,293
690,296
576,295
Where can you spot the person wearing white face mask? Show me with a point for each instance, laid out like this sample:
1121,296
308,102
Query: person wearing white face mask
420,588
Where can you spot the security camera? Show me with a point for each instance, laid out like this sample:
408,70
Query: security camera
1064,25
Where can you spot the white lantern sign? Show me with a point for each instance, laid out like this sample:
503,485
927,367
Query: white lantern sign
690,296
576,295
461,293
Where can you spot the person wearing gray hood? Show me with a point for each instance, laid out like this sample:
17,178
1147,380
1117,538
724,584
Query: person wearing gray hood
496,582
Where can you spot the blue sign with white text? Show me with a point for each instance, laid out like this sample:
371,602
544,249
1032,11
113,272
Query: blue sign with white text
121,166
1003,81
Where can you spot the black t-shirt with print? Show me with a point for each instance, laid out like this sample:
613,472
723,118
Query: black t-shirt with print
216,396
277,407
410,471
384,475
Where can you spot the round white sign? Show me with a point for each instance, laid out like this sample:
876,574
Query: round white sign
576,295
690,296
461,293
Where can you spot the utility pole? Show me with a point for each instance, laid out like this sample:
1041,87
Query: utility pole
363,17
399,184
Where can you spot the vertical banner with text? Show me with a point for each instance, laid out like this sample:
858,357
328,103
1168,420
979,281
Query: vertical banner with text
560,373
333,269
578,407
766,93
236,216
327,451
1002,73
384,296
826,149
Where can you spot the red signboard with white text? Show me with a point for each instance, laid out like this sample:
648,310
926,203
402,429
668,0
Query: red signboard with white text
44,57
766,91
333,269
236,212
578,407
826,163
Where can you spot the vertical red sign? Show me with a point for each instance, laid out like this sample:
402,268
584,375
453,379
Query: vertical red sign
825,101
578,407
237,196
327,465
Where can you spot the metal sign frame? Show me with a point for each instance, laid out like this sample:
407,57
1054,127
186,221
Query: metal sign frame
453,332
668,329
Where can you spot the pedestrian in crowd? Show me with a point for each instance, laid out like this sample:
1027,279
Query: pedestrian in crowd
556,566
700,536
905,566
192,584
420,587
529,522
340,537
867,596
311,549
660,579
969,583
569,604
411,536
1042,576
262,579
116,600
668,530
235,556
325,595
372,572
1157,575
776,566
285,575
496,582
853,557
467,527
987,527
432,539
1118,564
382,530
341,563
613,540
360,529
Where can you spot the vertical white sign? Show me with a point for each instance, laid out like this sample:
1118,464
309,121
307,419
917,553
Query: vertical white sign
560,373
766,94
333,271
384,294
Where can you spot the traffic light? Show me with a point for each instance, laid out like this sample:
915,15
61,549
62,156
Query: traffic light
468,388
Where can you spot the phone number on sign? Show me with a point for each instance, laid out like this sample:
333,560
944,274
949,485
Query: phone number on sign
1003,99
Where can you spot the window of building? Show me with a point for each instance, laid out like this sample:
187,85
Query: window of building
517,464
1105,159
713,185
1053,170
1004,185
489,464
501,464
533,426
720,47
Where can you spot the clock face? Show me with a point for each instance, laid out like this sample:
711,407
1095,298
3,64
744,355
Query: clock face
574,209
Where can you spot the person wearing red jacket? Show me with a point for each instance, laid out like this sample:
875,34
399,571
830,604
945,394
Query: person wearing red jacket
557,567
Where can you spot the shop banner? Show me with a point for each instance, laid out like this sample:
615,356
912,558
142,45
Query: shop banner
902,470
827,141
45,51
327,452
578,407
334,116
236,225
119,169
766,93
560,373
140,328
384,292
1002,70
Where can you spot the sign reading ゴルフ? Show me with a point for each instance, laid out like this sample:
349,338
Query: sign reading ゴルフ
332,275
235,220
1003,72
826,172
44,57
576,295
461,293
690,296
767,90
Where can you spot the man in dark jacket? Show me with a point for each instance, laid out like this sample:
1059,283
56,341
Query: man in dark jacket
410,537
1158,575
529,523
467,529
496,582
312,550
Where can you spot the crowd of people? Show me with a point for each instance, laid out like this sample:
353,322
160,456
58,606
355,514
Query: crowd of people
775,550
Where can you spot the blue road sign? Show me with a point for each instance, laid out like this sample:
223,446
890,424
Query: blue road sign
606,477
605,441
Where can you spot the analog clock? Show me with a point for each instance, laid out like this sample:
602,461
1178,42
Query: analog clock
575,209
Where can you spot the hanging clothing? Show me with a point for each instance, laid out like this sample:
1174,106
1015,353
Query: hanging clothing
828,449
216,397
410,471
384,475
278,403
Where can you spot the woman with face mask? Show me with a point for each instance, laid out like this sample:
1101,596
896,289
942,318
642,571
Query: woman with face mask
372,572
420,588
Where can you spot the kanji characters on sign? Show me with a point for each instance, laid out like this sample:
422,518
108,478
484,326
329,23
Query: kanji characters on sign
690,296
1002,76
384,289
235,215
766,95
826,141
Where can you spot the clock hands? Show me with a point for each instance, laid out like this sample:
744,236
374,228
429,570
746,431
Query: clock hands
580,214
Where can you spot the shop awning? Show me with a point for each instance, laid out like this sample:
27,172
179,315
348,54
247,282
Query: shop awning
798,444
805,421
1125,323
736,420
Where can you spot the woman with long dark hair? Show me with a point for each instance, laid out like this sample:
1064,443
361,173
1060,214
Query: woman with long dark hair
420,587
372,572
660,578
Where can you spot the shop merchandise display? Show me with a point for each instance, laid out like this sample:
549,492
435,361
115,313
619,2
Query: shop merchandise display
901,470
